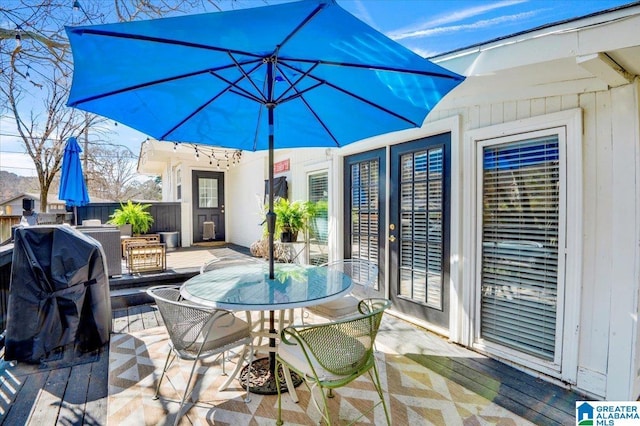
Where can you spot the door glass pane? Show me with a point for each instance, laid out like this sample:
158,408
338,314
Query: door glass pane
421,244
520,217
207,193
318,187
365,183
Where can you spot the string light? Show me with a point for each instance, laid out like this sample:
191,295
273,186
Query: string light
175,146
197,154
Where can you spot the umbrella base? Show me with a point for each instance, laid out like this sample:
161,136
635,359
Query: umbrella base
262,380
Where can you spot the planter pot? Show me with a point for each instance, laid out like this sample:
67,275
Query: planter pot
288,237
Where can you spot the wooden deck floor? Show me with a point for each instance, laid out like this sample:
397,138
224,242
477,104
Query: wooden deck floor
77,394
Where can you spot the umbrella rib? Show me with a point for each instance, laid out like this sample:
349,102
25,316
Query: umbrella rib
240,91
196,111
156,82
311,110
353,95
378,68
91,31
247,77
292,85
304,22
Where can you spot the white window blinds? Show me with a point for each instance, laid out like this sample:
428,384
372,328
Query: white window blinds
519,271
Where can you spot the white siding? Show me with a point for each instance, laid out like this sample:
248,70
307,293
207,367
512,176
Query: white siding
608,333
245,189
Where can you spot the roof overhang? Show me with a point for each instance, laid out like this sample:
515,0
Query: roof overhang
588,54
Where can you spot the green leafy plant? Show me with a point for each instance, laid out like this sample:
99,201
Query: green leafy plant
292,217
134,214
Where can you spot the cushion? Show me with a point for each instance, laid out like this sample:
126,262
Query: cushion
344,306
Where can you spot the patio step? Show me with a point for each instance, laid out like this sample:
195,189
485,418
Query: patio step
130,290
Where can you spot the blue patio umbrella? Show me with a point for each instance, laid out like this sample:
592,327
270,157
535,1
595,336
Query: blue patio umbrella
300,74
73,188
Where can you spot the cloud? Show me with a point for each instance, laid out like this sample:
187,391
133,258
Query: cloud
20,164
486,23
362,13
450,17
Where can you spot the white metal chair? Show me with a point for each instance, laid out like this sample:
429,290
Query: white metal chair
333,354
197,332
364,275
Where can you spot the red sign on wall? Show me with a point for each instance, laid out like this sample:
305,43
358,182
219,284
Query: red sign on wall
281,166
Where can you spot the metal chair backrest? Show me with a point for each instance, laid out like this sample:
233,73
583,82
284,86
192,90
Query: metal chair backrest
188,324
220,262
343,347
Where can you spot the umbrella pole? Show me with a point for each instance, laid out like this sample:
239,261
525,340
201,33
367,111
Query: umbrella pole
271,225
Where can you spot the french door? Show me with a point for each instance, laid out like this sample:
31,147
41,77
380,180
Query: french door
364,213
419,228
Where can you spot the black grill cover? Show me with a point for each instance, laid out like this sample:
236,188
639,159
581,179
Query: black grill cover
59,293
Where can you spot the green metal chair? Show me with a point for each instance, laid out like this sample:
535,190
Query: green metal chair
198,332
332,355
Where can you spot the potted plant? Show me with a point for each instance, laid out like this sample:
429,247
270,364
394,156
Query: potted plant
291,218
134,214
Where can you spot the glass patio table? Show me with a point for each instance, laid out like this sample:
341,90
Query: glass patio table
247,287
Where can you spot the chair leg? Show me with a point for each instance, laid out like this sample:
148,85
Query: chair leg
236,370
378,386
164,370
289,382
325,408
186,392
279,422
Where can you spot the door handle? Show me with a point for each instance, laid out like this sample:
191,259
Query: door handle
392,238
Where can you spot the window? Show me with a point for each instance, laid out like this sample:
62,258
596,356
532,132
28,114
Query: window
519,259
178,184
365,183
318,190
421,243
207,193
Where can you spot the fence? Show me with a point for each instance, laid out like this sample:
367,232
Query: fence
166,216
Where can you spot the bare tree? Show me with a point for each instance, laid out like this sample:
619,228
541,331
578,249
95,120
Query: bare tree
36,69
111,172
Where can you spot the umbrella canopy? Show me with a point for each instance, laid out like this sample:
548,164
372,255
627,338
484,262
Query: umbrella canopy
297,74
73,188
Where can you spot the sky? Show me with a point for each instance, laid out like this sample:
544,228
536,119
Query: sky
428,27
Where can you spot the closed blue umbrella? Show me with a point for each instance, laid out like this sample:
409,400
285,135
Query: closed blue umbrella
301,74
73,189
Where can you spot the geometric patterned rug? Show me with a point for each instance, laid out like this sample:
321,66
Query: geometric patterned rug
415,395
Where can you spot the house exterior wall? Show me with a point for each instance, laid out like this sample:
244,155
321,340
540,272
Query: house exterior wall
608,343
245,188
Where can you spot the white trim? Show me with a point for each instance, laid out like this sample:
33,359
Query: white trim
568,126
316,169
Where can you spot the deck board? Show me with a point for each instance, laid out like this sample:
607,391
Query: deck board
97,392
47,405
72,410
20,410
514,395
